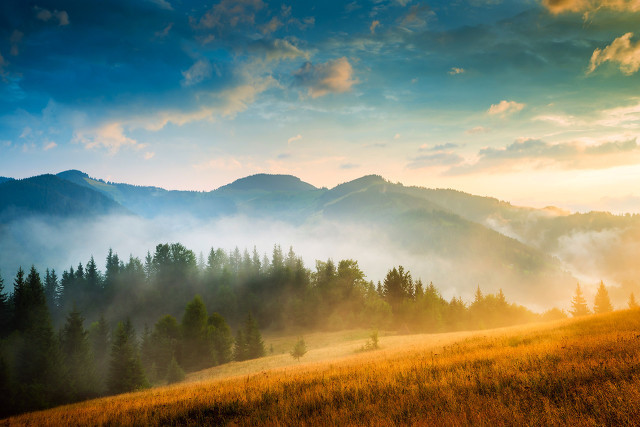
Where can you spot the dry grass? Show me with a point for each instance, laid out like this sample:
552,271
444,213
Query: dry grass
577,372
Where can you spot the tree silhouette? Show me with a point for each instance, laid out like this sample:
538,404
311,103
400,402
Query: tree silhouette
299,349
602,304
579,304
632,301
125,369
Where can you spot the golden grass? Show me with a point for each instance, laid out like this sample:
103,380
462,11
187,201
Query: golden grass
577,372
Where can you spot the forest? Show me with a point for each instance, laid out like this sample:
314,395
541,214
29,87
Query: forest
88,333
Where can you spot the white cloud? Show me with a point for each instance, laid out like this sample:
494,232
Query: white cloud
294,138
110,136
625,117
148,155
201,70
477,129
505,108
590,6
622,51
330,77
49,146
559,119
162,4
455,70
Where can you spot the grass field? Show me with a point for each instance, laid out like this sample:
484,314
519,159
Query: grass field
578,372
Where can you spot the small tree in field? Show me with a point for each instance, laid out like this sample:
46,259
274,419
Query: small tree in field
602,303
579,304
299,349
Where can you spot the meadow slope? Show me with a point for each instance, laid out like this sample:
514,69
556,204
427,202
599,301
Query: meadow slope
581,372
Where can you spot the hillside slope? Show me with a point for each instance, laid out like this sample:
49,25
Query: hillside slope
579,372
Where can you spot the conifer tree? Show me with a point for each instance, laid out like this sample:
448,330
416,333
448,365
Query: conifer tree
51,290
632,301
5,311
299,349
125,368
174,372
78,358
602,304
99,338
220,337
240,346
253,339
196,348
579,304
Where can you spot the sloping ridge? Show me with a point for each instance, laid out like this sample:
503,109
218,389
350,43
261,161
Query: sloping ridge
268,182
49,194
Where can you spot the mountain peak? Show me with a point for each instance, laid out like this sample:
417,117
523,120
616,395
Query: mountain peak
72,173
268,182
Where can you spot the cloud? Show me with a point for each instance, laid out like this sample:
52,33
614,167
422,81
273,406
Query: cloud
162,4
110,136
294,138
148,155
505,108
231,13
559,119
438,147
201,70
272,26
443,158
277,50
49,146
453,71
590,6
46,15
396,136
329,77
15,40
348,166
537,154
624,117
417,17
622,51
476,130
165,31
373,26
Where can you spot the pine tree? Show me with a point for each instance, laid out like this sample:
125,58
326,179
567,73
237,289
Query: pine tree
220,337
602,304
632,301
196,348
174,372
299,349
5,311
125,369
579,304
51,290
240,347
253,339
78,358
99,338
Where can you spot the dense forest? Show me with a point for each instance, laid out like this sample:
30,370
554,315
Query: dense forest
96,349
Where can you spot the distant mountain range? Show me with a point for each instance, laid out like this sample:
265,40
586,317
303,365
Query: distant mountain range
475,239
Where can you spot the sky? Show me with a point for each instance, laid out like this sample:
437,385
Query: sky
532,101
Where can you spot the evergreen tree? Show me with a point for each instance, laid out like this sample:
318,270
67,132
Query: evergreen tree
299,349
397,287
125,368
99,338
174,372
51,290
78,358
196,348
165,340
579,304
632,301
602,304
19,302
5,311
253,339
39,369
240,347
219,335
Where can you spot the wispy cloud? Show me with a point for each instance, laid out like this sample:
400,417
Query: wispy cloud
590,6
277,50
477,129
110,136
46,15
294,138
201,70
329,77
455,70
530,153
505,108
622,51
373,26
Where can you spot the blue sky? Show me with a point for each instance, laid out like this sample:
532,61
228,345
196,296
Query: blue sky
532,101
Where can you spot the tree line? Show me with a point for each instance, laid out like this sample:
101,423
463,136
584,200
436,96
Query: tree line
243,291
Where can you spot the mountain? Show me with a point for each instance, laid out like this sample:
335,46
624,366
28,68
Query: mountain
5,179
444,235
51,195
268,183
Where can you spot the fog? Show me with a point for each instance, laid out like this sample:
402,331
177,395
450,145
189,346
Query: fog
60,243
